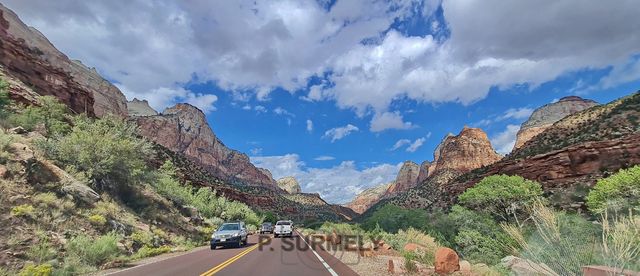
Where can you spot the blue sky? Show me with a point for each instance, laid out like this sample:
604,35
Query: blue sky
339,93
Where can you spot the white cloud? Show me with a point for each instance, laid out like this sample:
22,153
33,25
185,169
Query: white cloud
154,44
416,144
324,158
309,125
256,151
339,132
338,184
282,111
400,143
412,146
511,113
517,113
504,141
388,120
246,107
260,109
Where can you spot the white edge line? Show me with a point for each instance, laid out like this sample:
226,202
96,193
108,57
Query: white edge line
331,271
156,261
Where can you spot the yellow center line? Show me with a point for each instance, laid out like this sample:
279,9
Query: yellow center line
230,260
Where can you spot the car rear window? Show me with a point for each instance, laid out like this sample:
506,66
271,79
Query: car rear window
229,227
283,223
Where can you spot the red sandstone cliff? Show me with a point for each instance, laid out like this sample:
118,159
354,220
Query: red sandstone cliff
184,129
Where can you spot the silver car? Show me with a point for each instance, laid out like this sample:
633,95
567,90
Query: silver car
229,234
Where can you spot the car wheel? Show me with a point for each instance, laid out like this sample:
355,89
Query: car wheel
213,247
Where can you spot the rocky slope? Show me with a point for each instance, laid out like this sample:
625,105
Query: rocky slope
368,198
543,117
184,129
289,184
567,158
28,56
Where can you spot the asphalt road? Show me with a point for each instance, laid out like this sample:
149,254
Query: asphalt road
275,256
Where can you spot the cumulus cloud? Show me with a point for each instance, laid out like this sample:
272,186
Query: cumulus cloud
339,132
324,158
338,184
148,45
388,120
309,125
260,109
504,141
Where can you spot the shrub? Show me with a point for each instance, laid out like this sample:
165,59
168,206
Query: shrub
97,220
141,239
617,192
41,251
94,251
107,150
46,200
146,251
504,197
24,210
392,218
478,248
621,241
36,270
5,146
51,113
409,263
204,199
563,242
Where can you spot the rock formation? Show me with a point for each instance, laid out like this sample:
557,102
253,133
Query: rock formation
425,168
406,179
28,56
543,117
471,149
140,108
184,129
289,184
368,198
566,159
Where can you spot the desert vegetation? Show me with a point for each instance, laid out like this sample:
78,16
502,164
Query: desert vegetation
508,216
60,169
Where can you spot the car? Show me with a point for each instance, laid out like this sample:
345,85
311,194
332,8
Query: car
283,228
266,227
229,234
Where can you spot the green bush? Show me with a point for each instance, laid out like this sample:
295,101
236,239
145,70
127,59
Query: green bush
479,248
392,218
107,150
5,146
51,113
94,251
41,251
563,242
24,210
36,270
204,199
97,220
621,191
146,251
504,197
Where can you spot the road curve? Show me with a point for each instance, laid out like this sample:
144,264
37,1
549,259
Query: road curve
262,255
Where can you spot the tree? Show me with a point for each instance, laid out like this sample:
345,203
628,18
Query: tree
108,150
504,197
4,94
621,191
51,113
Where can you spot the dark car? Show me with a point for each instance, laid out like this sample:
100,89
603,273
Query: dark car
229,234
266,227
